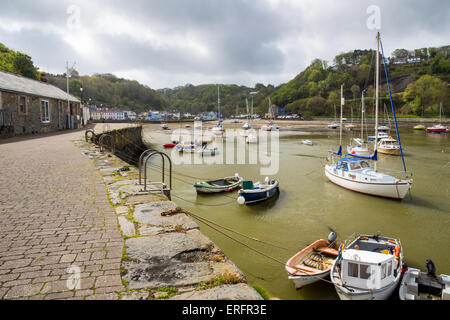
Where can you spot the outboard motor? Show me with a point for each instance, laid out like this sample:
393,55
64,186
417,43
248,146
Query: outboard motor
332,238
431,268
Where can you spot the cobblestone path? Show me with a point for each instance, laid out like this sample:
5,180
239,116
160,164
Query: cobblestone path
55,220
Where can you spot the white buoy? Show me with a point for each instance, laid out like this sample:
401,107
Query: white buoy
241,200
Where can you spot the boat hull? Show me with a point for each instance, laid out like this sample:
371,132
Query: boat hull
381,294
295,266
386,190
208,188
301,281
392,152
253,196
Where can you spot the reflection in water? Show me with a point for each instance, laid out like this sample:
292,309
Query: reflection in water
309,206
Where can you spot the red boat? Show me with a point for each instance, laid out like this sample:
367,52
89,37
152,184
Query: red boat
169,145
438,129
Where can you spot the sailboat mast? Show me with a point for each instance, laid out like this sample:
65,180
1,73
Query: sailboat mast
342,106
218,101
376,94
362,115
246,103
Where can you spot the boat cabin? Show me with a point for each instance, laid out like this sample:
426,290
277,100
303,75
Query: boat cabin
352,164
366,269
388,143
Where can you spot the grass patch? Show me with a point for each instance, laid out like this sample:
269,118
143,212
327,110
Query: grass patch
263,292
228,278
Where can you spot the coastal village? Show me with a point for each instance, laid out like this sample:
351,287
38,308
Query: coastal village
331,186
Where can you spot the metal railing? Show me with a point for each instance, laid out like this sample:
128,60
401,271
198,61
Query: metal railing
144,162
103,146
92,135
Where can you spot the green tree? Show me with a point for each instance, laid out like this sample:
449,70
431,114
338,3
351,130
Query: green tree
426,94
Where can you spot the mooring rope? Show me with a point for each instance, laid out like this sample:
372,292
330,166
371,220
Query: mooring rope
181,210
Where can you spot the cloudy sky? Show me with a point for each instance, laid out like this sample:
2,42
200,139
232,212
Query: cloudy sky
167,43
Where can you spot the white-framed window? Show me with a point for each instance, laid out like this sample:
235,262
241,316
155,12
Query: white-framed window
22,105
353,270
364,271
45,111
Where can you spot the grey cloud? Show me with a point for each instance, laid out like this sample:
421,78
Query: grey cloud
242,37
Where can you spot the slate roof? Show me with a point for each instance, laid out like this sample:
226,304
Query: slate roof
17,84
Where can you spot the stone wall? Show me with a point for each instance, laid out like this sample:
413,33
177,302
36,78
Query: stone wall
126,142
14,122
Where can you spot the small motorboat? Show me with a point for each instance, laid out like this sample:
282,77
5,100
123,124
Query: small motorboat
307,142
389,146
268,127
350,126
208,151
381,135
333,125
420,127
369,268
186,148
164,126
313,262
187,126
383,128
169,145
246,126
251,138
253,193
418,285
359,150
220,185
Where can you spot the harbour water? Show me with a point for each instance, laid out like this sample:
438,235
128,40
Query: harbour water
309,205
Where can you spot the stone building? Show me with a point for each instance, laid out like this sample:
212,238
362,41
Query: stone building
29,106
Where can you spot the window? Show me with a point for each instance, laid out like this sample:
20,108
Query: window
383,271
389,268
364,164
364,271
353,270
355,166
1,102
45,111
22,105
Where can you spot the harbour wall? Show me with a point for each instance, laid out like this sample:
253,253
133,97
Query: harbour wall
165,255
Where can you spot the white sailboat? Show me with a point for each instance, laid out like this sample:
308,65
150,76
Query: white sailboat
334,125
218,130
356,174
439,128
245,128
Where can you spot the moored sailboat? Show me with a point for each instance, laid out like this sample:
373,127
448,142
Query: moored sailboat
356,174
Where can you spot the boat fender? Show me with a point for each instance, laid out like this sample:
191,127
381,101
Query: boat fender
397,252
328,160
431,268
230,189
241,200
332,237
404,268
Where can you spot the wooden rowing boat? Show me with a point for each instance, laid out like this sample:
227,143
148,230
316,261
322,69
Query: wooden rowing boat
311,264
